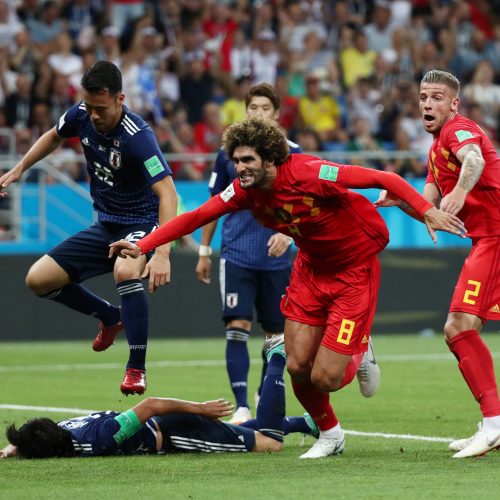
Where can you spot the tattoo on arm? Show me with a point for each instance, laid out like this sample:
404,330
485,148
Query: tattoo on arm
472,166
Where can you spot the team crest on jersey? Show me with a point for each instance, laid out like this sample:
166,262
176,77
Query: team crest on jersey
115,158
283,215
231,300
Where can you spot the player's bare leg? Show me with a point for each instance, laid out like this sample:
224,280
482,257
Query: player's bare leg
476,365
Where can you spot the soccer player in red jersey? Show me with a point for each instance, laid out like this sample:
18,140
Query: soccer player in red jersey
464,180
330,302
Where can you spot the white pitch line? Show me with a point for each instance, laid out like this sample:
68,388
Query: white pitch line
50,409
205,362
81,411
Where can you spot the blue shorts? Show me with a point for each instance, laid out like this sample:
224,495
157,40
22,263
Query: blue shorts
244,289
186,432
85,254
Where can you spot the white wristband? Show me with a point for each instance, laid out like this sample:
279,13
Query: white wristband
204,251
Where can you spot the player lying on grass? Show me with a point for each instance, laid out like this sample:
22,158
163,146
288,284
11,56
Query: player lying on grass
159,425
330,303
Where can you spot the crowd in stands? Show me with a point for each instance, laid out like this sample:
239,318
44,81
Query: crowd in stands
347,70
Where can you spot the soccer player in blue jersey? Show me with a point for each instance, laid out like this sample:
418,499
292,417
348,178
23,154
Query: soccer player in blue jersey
132,190
255,264
158,425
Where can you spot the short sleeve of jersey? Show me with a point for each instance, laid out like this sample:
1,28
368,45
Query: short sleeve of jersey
459,133
318,177
144,150
67,124
220,178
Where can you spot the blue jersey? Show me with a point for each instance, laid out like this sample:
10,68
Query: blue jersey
122,165
244,240
93,435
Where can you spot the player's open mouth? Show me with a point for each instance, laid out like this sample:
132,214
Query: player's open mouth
428,119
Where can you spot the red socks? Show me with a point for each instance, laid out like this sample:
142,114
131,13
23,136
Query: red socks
317,404
476,365
351,369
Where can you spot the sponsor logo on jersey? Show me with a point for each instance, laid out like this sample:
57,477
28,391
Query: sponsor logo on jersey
115,158
231,300
364,340
462,135
154,166
495,309
228,193
282,214
328,173
85,141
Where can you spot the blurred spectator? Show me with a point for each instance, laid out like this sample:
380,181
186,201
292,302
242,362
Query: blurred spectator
46,27
64,62
362,139
109,45
265,58
5,134
79,14
219,26
240,56
124,12
379,31
18,104
309,141
316,55
467,58
24,58
24,140
196,87
357,61
41,121
289,108
473,111
9,26
43,80
28,10
168,79
406,167
411,122
484,92
234,109
208,131
365,101
320,112
62,96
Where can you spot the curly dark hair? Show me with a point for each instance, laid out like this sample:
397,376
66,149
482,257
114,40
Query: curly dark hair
40,438
265,136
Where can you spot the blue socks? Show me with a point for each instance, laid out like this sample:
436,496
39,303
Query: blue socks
135,316
271,409
238,363
80,299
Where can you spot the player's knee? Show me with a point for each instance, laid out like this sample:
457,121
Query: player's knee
125,273
325,381
451,328
34,282
298,370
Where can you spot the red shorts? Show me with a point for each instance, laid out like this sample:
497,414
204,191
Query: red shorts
478,288
344,302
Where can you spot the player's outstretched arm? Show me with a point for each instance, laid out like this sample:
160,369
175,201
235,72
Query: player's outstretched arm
151,406
42,147
179,226
203,268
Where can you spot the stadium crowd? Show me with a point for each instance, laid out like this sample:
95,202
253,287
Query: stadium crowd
347,70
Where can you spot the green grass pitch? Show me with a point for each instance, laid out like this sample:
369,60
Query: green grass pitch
421,394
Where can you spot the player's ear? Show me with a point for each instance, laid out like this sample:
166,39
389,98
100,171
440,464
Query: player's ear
121,97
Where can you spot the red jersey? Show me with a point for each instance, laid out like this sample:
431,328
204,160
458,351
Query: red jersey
481,211
334,228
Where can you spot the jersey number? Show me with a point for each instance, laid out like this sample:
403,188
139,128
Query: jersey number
103,173
345,332
472,293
